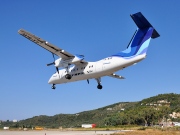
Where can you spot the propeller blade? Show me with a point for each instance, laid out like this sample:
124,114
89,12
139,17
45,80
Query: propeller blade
57,70
53,56
88,81
50,64
53,63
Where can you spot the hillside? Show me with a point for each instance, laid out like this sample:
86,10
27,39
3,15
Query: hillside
76,120
148,111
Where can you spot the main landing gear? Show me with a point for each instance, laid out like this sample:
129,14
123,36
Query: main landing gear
99,83
53,87
99,86
68,76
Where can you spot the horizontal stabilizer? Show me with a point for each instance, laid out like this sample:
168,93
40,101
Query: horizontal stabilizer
116,76
143,23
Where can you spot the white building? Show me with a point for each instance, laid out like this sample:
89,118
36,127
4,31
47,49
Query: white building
15,121
88,125
6,128
176,124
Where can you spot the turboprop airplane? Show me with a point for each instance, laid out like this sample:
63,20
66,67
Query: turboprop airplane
75,68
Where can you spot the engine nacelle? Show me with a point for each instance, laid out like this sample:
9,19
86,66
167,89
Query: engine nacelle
77,58
60,63
64,63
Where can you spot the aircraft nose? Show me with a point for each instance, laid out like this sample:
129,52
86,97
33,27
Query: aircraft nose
52,80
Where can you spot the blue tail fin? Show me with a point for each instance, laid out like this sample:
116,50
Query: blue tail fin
141,38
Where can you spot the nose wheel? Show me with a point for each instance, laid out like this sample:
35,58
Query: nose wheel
53,87
99,83
99,86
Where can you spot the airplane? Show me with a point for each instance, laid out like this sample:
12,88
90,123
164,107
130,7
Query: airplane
75,68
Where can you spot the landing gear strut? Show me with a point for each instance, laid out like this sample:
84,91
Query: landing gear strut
53,86
68,76
99,83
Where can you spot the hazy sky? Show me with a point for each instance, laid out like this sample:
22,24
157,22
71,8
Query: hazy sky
96,29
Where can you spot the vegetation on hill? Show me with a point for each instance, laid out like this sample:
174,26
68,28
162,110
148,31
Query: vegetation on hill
146,112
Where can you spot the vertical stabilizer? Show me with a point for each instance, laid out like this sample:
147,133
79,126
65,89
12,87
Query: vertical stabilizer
140,41
143,23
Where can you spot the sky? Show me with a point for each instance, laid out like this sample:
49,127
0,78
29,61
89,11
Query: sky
96,29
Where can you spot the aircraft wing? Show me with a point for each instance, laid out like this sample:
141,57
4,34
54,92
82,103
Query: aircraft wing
116,76
46,45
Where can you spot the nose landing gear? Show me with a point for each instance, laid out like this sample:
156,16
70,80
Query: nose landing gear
53,87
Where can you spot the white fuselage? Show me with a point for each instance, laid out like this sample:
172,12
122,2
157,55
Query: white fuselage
97,69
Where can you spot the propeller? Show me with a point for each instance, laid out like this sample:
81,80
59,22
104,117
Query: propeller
50,64
88,81
53,63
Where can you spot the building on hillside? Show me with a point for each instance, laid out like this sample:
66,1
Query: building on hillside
122,109
163,101
174,115
176,124
6,128
166,124
88,125
15,120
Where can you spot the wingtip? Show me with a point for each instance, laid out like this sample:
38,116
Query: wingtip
20,31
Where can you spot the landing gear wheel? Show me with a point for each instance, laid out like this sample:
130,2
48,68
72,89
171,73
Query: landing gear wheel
68,76
53,87
99,86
